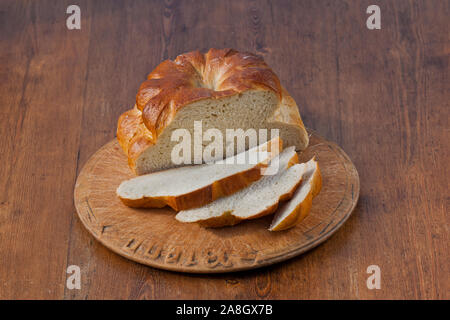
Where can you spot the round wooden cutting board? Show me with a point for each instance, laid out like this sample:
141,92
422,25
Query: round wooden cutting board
153,236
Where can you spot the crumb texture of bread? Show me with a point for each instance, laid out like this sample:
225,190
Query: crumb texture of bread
259,199
223,88
194,186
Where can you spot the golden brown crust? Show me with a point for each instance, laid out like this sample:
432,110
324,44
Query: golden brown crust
195,76
133,136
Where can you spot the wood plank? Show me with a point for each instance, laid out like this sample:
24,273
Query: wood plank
45,76
123,29
382,95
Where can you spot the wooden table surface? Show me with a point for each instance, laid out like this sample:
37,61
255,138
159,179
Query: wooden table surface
382,95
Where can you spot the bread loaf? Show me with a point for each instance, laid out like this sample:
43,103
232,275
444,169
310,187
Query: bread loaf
225,89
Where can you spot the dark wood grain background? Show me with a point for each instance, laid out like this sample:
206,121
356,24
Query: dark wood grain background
382,95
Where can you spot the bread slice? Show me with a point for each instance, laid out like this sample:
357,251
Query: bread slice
193,186
259,199
224,89
294,211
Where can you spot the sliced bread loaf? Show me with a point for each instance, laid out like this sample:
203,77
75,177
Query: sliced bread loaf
294,211
194,186
259,199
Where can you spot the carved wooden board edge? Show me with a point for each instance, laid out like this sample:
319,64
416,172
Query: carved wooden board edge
130,247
